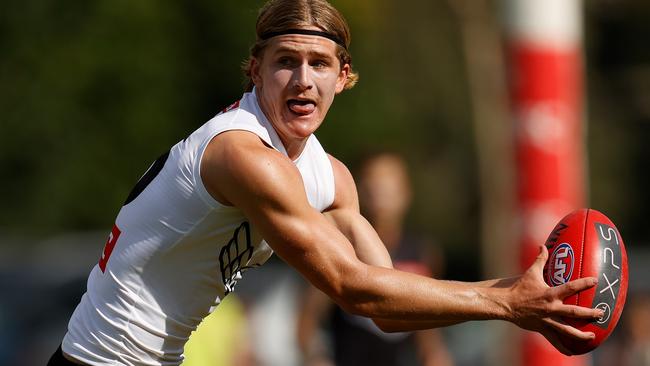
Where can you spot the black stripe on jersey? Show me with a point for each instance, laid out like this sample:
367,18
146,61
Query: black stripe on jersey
146,179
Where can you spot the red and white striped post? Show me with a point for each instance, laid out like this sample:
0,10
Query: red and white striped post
544,56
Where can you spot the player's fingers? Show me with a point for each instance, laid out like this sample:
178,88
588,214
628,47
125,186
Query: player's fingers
577,312
569,331
573,287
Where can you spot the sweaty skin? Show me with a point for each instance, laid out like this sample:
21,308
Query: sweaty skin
338,251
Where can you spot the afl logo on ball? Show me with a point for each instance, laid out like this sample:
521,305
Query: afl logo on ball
560,265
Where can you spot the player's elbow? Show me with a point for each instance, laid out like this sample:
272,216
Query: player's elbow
351,285
355,307
369,311
387,326
355,294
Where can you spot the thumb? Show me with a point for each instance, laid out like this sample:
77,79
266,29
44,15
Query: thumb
541,259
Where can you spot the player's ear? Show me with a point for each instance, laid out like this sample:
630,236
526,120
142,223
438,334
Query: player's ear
255,71
342,78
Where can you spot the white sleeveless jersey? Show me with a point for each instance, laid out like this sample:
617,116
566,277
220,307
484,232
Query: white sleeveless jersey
175,252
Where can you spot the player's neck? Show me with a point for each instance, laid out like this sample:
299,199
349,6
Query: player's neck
293,147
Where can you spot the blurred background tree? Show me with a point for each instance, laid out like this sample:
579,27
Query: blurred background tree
618,65
92,92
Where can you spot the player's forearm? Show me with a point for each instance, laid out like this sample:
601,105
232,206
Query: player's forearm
432,303
389,294
394,325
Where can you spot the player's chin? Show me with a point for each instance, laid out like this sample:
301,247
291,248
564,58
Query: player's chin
303,125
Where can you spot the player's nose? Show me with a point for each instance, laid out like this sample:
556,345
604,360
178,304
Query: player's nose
302,77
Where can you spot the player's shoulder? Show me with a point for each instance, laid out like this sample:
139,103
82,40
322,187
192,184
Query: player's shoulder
238,150
238,141
239,161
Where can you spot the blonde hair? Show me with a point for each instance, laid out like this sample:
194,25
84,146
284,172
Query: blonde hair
282,15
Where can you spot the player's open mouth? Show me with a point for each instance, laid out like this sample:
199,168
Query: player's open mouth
301,107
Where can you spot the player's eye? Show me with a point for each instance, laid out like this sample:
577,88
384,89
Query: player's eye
320,64
285,61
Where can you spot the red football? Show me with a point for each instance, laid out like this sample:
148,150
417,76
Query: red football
585,243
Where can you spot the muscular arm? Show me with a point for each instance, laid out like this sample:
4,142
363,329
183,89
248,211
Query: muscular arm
238,169
344,214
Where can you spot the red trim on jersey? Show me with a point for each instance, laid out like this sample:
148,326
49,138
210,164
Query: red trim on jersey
231,107
108,248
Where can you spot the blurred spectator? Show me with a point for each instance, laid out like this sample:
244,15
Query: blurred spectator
385,196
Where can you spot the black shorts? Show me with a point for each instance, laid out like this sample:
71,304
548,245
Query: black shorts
57,359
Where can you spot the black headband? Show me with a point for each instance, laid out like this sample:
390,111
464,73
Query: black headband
307,32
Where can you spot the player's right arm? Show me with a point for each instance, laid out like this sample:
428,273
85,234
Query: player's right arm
238,169
345,215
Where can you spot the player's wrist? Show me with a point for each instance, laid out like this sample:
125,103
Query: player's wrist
498,303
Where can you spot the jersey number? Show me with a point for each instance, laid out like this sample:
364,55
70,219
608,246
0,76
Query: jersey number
108,248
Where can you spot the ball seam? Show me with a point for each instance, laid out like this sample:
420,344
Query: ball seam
582,250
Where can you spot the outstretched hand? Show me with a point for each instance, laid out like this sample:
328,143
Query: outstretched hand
537,307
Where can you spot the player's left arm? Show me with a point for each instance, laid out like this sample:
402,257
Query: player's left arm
345,214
